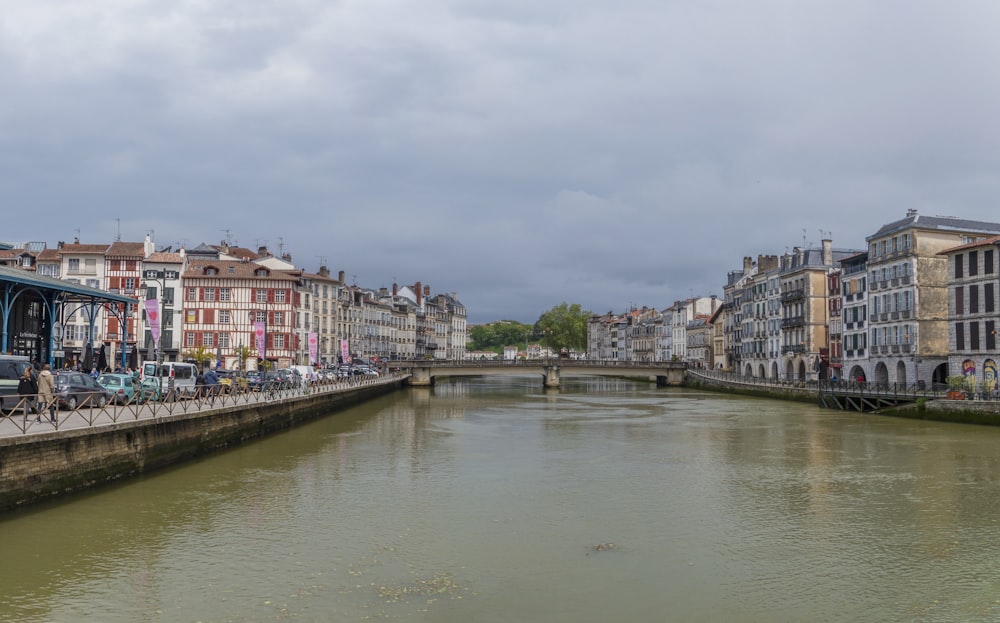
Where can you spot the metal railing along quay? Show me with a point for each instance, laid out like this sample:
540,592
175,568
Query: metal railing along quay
23,419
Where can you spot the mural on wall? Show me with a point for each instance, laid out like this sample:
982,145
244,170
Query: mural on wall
990,374
969,372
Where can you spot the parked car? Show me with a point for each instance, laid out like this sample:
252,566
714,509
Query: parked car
257,381
74,389
125,388
228,379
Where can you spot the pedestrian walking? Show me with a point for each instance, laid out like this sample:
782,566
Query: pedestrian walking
27,389
46,393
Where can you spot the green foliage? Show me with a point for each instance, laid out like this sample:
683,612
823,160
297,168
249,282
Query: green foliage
495,335
200,356
563,326
244,353
957,382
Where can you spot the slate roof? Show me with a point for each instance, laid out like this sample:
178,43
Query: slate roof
985,242
945,223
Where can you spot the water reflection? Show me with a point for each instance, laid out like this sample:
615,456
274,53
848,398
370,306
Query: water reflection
496,499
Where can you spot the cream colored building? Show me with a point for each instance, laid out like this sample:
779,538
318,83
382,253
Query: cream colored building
908,295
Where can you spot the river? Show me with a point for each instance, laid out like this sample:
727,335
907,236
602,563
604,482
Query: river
495,500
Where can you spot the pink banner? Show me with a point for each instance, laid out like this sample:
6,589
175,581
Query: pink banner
313,348
345,353
153,320
261,334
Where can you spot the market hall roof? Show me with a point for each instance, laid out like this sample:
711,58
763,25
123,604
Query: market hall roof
28,278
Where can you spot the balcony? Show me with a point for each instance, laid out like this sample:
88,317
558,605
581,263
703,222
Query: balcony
873,285
793,295
883,317
906,347
895,281
794,349
883,285
905,280
905,313
895,349
796,321
894,315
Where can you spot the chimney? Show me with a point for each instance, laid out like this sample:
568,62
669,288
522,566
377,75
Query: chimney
827,252
324,271
340,277
747,264
420,293
427,290
395,289
262,251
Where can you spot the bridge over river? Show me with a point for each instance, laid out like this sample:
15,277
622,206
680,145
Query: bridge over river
423,372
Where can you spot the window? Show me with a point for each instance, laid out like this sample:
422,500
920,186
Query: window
279,296
988,262
974,336
989,298
959,336
959,301
168,295
224,316
958,265
130,283
74,265
90,266
209,294
973,299
279,340
223,340
973,263
260,316
279,318
224,294
192,294
261,296
189,339
207,339
93,283
991,335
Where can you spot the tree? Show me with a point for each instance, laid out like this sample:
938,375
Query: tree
563,326
495,335
243,353
199,355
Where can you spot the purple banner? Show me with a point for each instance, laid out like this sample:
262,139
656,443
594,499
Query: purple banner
261,335
313,348
153,320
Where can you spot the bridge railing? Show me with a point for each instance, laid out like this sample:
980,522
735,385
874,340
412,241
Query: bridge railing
504,363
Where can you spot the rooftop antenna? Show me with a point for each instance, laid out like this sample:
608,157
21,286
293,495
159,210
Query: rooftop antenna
118,236
354,280
281,246
322,260
228,243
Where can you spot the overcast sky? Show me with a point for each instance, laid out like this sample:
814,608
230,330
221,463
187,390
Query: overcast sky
520,153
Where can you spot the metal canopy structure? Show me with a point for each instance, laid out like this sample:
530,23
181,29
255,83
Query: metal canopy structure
19,287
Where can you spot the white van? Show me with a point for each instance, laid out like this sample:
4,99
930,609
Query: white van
183,374
307,373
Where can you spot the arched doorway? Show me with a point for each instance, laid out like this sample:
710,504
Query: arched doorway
760,371
857,374
900,373
774,371
749,371
881,374
789,371
802,370
940,375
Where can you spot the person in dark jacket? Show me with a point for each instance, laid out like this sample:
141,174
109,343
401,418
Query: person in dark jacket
27,389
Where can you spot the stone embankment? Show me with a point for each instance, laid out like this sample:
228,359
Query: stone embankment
91,447
985,412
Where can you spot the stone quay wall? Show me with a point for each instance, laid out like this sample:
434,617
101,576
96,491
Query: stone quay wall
39,466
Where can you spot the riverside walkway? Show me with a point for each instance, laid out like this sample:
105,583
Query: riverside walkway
843,395
88,415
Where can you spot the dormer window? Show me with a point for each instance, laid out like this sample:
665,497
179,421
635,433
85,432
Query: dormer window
211,270
260,272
